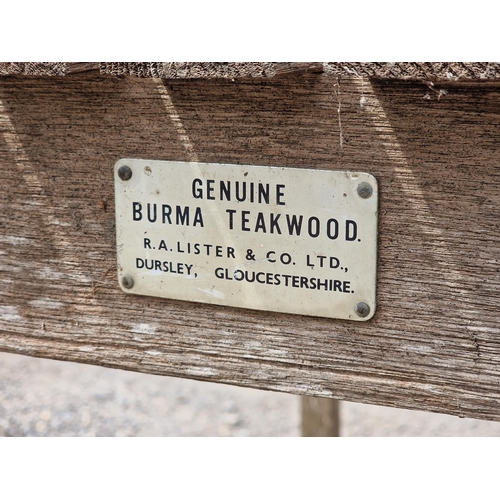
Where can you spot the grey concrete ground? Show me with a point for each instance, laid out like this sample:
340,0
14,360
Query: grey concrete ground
40,397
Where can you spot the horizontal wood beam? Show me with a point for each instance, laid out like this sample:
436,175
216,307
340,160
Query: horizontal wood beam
434,343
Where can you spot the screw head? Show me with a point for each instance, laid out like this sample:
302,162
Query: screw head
362,309
127,282
364,190
124,173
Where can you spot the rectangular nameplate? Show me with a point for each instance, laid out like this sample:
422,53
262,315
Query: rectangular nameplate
289,240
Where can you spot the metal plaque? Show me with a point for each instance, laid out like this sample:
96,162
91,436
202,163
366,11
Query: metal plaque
290,240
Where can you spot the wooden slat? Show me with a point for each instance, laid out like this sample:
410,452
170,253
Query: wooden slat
434,343
193,70
47,68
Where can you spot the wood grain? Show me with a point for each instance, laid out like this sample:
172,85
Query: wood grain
190,70
434,343
47,68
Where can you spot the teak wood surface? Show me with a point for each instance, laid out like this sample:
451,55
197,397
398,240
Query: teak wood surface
434,343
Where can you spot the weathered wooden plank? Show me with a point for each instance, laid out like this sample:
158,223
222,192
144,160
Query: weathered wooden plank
434,341
423,71
228,70
47,68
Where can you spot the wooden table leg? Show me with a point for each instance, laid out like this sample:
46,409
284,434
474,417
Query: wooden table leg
320,417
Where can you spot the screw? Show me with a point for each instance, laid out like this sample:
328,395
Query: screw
362,309
124,173
127,282
364,190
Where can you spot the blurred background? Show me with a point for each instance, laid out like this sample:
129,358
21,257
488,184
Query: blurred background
40,397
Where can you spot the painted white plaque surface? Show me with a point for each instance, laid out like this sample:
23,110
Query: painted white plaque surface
290,240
